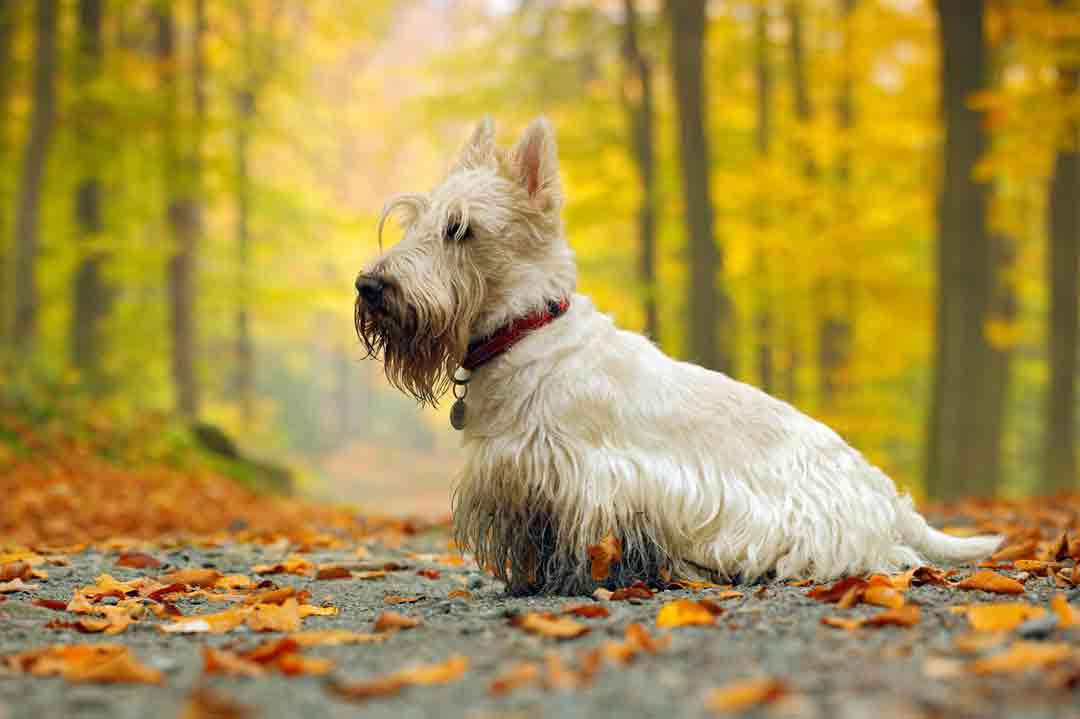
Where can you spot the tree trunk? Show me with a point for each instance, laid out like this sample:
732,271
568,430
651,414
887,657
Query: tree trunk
91,297
638,97
763,320
710,307
28,208
1063,278
800,93
243,381
184,213
959,451
836,327
7,70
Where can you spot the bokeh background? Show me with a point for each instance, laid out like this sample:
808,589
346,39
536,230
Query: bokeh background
870,208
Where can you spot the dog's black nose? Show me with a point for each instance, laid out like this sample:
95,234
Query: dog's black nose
370,290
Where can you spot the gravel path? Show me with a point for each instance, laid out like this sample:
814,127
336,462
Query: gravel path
772,630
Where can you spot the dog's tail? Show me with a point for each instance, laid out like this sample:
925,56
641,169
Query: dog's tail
934,544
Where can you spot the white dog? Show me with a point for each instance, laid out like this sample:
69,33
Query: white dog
576,430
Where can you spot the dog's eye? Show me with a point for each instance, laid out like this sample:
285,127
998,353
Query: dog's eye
454,231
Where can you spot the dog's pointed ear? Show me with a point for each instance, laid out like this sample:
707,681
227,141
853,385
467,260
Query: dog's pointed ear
536,164
479,151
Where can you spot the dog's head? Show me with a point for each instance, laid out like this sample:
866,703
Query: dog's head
482,248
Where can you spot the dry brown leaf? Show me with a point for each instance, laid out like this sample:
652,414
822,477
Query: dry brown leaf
396,599
1022,657
428,573
220,661
333,572
309,610
205,578
743,695
637,590
451,670
284,617
559,677
137,560
841,622
291,565
334,637
94,663
205,704
1001,616
392,621
602,555
516,676
277,595
16,585
373,574
883,597
727,595
218,623
1020,550
588,611
1068,615
906,615
989,581
549,625
460,594
845,592
918,576
15,570
685,612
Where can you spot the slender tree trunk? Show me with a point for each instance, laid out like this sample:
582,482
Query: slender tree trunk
28,208
763,320
184,216
836,327
245,354
959,453
7,70
800,93
91,297
638,98
1063,278
710,306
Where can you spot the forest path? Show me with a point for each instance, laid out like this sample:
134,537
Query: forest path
771,630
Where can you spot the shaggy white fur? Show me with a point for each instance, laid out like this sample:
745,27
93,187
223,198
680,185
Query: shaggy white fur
582,430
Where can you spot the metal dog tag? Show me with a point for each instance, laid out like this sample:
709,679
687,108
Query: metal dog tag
457,415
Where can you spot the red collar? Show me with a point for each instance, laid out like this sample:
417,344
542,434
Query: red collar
488,348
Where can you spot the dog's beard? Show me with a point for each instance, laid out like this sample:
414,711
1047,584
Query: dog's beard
419,356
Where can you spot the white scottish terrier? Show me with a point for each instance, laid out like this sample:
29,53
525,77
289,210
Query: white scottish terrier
576,430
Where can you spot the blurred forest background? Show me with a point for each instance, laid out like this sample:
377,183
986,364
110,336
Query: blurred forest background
870,208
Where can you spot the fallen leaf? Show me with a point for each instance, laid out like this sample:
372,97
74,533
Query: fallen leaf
602,555
16,585
277,595
333,572
1068,615
205,704
451,670
918,576
334,637
1001,616
284,617
883,597
205,578
392,621
1020,550
137,560
684,612
637,590
990,581
460,594
1022,657
291,565
54,604
589,611
92,663
218,623
906,615
549,625
220,661
728,595
373,574
428,573
841,622
517,676
15,570
740,696
395,599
